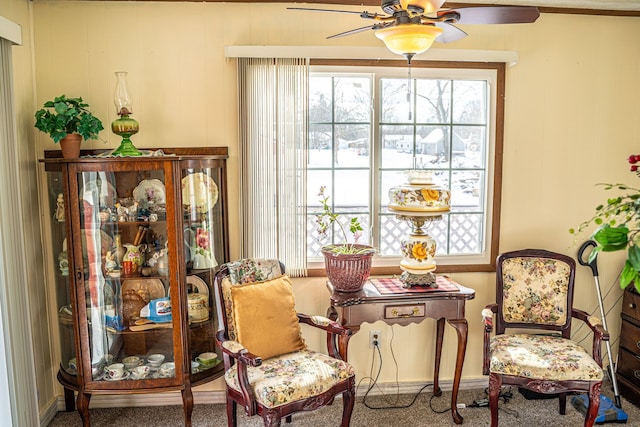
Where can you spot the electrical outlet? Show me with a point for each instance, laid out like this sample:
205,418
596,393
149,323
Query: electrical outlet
375,338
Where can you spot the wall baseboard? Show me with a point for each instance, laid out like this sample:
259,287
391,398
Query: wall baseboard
214,397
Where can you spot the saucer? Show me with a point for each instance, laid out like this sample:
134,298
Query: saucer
137,378
123,377
209,366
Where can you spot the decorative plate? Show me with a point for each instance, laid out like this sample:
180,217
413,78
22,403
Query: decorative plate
198,285
150,191
154,286
199,192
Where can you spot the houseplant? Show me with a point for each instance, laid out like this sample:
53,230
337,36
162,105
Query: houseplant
348,264
68,121
619,226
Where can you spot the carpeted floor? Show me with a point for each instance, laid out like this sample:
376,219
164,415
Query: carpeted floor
518,411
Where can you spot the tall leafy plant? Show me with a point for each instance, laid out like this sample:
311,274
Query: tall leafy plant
64,116
618,229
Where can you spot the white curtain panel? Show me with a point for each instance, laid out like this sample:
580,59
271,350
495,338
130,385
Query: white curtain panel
17,375
273,106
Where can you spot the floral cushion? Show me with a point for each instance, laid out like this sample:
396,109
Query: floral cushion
292,377
535,290
254,270
542,357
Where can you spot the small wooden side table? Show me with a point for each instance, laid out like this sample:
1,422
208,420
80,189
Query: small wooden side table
403,307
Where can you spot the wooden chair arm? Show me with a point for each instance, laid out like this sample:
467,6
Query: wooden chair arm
336,333
599,333
487,318
236,351
324,323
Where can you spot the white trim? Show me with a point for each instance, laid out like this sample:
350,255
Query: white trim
219,397
10,31
363,52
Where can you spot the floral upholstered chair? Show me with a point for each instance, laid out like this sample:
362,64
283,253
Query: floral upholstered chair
268,368
534,291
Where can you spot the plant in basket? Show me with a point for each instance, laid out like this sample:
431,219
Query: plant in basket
348,264
619,227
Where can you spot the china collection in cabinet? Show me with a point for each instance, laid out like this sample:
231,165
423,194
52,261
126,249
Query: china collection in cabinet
135,245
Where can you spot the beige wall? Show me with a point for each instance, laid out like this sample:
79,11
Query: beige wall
572,109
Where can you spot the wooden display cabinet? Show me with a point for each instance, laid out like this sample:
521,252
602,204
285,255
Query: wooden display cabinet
628,367
135,244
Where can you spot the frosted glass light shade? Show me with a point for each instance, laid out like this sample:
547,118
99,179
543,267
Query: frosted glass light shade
121,95
408,39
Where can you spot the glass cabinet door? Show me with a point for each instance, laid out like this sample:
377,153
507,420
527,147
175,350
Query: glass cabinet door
64,303
123,230
202,202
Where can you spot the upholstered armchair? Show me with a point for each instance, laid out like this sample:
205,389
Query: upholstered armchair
269,370
534,297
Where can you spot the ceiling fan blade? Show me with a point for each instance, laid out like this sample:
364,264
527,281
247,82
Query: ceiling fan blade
356,30
493,14
450,33
364,14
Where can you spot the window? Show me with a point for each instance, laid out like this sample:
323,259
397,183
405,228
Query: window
369,125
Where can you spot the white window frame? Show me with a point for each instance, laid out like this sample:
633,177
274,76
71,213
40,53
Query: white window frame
494,74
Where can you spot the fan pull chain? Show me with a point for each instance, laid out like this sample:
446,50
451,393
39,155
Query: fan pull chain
409,89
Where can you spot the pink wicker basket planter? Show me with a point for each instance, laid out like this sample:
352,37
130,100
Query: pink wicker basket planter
348,272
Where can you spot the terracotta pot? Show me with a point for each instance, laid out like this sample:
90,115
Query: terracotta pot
348,272
70,146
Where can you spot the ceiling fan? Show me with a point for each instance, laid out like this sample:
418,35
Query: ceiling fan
410,27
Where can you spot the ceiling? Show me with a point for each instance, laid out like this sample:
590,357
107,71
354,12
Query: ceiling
587,7
590,7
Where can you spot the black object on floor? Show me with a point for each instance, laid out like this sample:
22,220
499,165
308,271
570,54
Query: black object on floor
532,395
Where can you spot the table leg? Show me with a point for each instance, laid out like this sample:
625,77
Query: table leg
187,404
69,400
461,328
436,369
343,341
82,402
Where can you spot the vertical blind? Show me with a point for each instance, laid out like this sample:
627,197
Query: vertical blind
273,106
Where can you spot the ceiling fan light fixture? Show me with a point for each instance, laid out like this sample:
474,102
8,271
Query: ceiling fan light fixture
408,39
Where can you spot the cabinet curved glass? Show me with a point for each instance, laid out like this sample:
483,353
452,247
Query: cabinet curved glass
135,244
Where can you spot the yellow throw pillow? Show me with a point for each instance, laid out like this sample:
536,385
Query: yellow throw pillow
265,317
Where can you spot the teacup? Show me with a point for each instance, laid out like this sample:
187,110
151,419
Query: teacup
155,360
140,372
114,371
131,362
207,359
194,366
168,369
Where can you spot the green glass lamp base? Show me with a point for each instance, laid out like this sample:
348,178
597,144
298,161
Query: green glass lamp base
126,149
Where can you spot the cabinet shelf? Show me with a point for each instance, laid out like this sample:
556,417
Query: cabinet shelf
93,197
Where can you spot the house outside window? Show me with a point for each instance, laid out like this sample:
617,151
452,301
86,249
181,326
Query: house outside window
367,126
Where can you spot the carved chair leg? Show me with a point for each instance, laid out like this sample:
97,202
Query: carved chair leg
562,402
232,419
348,401
495,383
594,404
271,418
288,419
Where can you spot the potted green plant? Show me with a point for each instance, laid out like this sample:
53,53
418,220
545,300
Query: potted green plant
347,264
68,121
618,229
